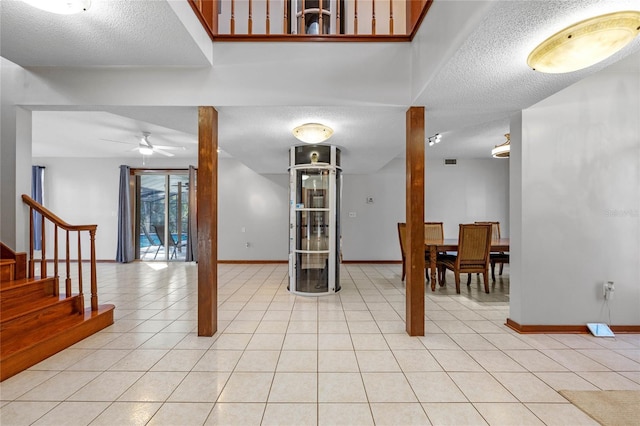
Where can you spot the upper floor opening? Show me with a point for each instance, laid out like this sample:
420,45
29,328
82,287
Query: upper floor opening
311,20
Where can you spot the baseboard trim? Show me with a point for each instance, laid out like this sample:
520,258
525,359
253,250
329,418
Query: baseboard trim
375,262
566,329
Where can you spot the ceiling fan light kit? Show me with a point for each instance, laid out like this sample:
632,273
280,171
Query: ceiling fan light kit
61,7
585,43
145,150
312,132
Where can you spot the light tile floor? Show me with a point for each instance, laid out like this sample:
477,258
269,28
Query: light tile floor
336,360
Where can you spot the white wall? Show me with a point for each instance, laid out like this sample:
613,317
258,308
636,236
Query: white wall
85,190
580,202
473,190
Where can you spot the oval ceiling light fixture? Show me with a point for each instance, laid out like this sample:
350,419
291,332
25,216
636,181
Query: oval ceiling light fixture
504,149
313,132
61,7
585,43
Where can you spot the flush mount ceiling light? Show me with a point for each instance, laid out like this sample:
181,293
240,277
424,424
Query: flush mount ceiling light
61,7
502,150
585,43
312,132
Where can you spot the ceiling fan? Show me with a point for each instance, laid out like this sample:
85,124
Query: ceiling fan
145,147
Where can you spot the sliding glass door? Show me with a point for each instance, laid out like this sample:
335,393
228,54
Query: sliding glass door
162,214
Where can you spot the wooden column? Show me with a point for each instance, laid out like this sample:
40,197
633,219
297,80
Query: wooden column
415,222
207,196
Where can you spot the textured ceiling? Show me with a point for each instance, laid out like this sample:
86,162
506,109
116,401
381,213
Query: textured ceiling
110,33
468,68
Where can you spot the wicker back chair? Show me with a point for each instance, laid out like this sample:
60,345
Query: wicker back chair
474,245
433,231
496,257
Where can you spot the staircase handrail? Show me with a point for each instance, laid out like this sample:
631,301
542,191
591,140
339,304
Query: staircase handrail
46,214
53,218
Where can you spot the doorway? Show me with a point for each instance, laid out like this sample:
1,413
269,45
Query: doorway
161,215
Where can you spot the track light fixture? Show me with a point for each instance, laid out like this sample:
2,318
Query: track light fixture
432,140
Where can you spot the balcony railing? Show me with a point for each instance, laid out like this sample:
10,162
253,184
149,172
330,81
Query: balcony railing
311,20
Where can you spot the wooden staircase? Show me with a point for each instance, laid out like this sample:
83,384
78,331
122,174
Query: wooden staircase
36,321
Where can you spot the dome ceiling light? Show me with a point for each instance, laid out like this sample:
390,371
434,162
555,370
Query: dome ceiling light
61,7
585,43
312,132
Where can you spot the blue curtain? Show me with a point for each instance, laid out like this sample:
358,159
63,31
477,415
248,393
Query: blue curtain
192,229
125,251
37,193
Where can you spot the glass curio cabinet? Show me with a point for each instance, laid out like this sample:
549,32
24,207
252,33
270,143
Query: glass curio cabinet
314,219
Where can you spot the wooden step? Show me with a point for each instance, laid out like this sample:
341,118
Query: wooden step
51,338
17,295
35,322
7,269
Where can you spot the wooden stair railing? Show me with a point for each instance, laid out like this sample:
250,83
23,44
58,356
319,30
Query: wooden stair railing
48,218
37,321
364,14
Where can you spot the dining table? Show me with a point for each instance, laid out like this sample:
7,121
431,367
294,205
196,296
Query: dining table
433,247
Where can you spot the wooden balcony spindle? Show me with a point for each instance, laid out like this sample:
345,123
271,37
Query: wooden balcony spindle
373,17
320,18
250,19
338,17
232,23
268,24
67,281
355,17
285,18
94,274
43,246
302,30
390,17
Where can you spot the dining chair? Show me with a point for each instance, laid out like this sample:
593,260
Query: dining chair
402,236
474,246
432,231
496,257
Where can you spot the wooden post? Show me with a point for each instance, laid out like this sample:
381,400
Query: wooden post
207,196
415,222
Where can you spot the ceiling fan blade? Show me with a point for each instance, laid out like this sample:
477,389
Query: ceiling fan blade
159,151
111,140
171,148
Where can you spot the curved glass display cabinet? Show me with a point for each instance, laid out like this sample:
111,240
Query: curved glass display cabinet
314,219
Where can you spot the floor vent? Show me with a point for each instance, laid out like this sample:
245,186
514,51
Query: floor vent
450,161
